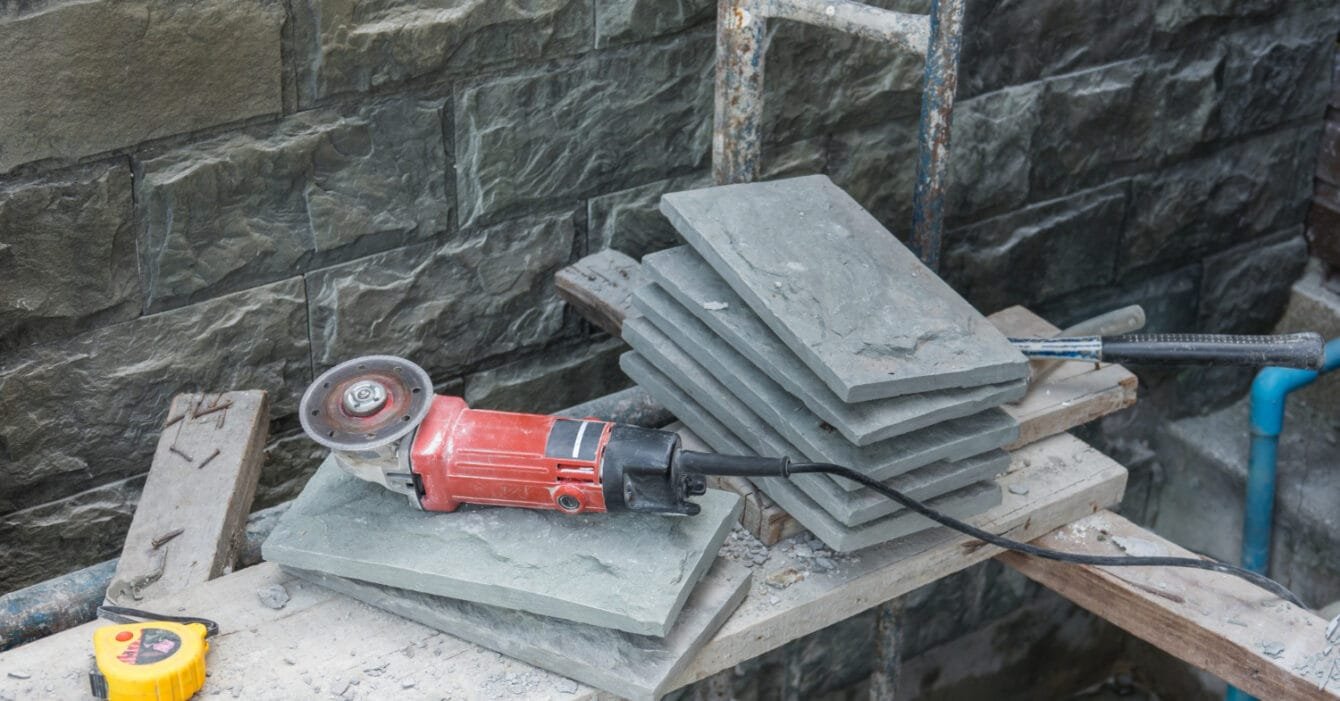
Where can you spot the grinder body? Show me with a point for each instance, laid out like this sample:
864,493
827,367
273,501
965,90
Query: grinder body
383,423
462,455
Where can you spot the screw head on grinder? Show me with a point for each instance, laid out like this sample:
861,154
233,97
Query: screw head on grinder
364,398
366,403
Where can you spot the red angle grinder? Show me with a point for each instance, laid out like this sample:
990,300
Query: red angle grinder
380,417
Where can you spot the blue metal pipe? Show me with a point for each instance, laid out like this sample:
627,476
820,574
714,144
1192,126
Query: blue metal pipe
1270,392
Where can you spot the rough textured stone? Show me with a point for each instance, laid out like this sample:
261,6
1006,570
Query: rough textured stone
1038,253
1278,73
67,253
990,148
344,46
551,381
64,535
629,220
820,81
548,137
1169,300
627,21
1203,205
1019,41
87,410
483,293
946,441
1178,17
709,425
1245,289
629,571
740,350
233,212
290,460
86,77
632,666
877,167
855,305
1103,109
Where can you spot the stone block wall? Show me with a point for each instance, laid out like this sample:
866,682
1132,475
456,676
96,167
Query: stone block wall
198,195
1323,228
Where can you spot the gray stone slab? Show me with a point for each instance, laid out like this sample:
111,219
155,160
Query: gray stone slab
628,571
813,429
860,507
692,282
846,502
963,503
632,666
840,290
952,440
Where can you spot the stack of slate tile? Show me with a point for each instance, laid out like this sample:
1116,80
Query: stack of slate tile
618,601
795,324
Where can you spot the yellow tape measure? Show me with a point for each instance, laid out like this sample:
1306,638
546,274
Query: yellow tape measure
161,658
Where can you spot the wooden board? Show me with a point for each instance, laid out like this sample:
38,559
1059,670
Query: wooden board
600,287
1219,623
320,639
188,523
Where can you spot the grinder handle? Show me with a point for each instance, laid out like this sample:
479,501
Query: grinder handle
696,463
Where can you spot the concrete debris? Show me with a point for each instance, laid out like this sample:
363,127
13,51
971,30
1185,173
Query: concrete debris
567,686
715,306
274,596
1333,630
1272,649
1020,489
782,579
1139,547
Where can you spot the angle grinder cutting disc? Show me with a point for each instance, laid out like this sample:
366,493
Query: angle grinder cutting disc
366,403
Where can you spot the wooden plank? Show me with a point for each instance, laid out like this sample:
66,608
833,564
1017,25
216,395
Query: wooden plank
600,287
1065,478
1065,395
188,524
1219,623
319,645
320,639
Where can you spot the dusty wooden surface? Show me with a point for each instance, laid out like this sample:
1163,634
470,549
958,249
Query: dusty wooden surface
189,519
600,286
321,640
1219,623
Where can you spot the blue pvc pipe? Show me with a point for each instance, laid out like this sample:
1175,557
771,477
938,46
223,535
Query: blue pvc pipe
1270,392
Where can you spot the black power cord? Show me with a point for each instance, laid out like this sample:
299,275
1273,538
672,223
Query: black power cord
1259,580
121,614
